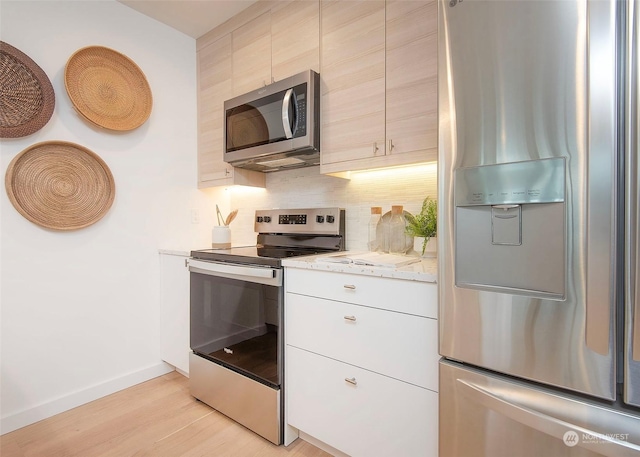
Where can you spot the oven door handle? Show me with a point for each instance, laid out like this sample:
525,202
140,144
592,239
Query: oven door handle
211,268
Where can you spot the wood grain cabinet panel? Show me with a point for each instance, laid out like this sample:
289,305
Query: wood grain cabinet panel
252,55
352,85
295,38
379,83
411,77
215,85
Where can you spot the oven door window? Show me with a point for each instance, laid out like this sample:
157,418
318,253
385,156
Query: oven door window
237,324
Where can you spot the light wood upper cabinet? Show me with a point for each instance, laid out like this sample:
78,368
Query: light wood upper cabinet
377,63
411,77
352,80
251,56
379,79
295,38
216,83
267,42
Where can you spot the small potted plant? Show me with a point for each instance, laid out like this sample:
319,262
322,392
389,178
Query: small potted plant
423,226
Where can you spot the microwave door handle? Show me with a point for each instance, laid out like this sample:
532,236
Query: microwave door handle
286,121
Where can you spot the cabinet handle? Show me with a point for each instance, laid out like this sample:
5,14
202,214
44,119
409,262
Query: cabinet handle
227,172
375,148
350,318
350,286
390,145
351,381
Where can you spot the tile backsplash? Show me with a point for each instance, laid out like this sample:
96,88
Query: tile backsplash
307,188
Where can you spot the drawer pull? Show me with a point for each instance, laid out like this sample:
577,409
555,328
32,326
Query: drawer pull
350,286
350,318
351,381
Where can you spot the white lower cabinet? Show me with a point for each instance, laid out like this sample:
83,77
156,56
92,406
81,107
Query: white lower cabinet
174,311
357,411
361,370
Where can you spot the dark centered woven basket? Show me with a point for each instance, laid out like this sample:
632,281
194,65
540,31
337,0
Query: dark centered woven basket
60,185
107,88
27,98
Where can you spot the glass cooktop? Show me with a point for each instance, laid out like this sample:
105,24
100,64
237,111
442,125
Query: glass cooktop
255,255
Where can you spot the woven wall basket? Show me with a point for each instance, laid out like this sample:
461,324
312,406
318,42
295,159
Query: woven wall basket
107,88
60,185
27,98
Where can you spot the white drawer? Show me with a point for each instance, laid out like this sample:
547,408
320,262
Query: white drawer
412,297
399,345
378,416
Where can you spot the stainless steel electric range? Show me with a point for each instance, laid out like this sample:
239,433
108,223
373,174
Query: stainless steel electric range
237,315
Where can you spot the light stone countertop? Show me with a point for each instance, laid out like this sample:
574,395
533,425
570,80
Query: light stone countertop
174,252
424,271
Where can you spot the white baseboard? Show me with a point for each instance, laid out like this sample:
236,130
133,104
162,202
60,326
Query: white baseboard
37,413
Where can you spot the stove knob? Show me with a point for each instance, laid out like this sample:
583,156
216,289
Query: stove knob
267,218
319,219
331,219
259,219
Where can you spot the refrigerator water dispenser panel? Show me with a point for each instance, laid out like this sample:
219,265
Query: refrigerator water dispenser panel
510,231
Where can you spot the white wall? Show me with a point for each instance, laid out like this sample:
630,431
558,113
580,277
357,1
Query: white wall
79,310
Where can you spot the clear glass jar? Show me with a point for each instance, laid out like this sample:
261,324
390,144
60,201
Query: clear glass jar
374,242
397,227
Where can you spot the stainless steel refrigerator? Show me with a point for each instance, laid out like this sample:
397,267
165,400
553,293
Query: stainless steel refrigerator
538,228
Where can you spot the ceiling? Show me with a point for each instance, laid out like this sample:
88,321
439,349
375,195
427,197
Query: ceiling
191,17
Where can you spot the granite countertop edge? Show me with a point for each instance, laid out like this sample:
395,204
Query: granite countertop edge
424,271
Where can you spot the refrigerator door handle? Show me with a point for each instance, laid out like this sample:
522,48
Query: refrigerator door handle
632,197
545,423
632,216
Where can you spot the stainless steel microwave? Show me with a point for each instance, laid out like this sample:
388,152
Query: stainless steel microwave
275,127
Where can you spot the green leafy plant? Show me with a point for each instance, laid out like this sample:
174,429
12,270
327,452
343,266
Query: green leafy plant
425,223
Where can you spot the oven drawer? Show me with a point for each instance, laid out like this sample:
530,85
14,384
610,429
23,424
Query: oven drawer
399,345
359,412
412,297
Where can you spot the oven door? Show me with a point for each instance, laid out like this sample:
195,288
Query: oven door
236,318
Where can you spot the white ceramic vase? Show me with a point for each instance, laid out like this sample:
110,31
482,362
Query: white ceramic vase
432,246
221,237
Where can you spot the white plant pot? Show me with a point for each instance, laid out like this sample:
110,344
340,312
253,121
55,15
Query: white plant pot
432,246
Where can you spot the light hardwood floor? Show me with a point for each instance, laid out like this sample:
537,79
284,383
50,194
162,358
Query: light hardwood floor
158,418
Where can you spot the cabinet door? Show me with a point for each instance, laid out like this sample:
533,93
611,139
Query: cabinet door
174,311
411,77
397,345
353,86
358,412
252,55
214,87
295,38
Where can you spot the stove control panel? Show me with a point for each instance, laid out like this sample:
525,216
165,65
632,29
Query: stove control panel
314,221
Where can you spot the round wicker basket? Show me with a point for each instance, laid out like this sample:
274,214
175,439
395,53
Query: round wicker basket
60,185
107,88
27,98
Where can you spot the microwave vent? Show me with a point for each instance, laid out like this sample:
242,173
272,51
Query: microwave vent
285,162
